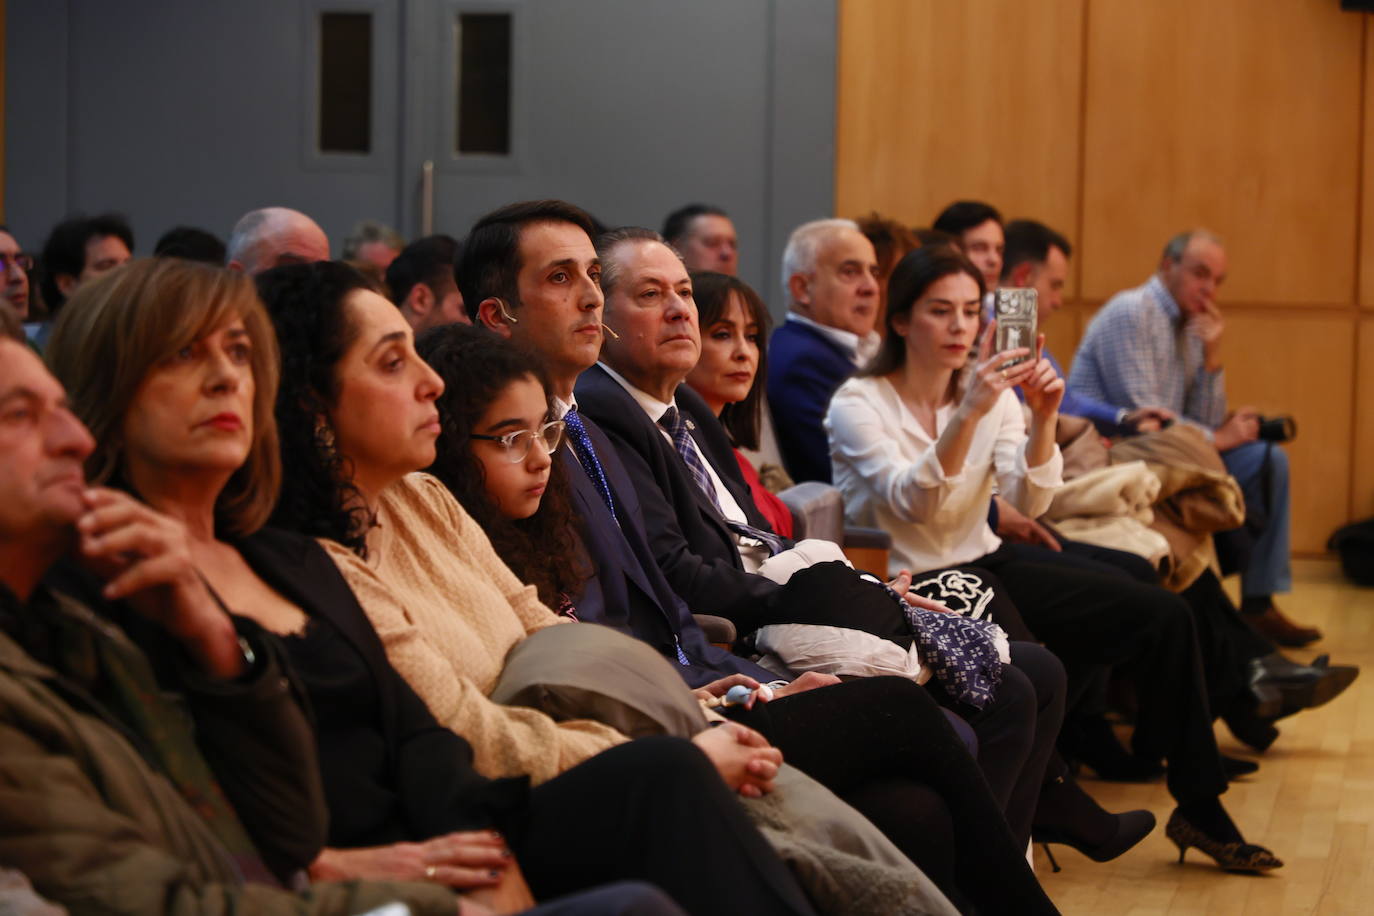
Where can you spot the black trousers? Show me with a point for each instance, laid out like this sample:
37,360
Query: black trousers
884,745
1227,642
652,810
1017,730
1091,618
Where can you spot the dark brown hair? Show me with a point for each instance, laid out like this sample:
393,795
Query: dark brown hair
913,275
712,293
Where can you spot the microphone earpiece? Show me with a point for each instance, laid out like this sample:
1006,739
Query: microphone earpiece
607,328
505,313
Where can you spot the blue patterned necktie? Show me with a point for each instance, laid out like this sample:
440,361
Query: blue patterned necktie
586,456
676,426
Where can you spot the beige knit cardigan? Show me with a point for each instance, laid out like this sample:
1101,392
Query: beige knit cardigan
448,610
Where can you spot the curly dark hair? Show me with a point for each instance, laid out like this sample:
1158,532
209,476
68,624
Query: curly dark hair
306,302
476,366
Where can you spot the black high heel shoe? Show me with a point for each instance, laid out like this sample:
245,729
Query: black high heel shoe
1234,855
1069,816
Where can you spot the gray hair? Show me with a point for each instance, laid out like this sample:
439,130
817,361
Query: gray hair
369,230
606,242
254,229
803,246
1176,246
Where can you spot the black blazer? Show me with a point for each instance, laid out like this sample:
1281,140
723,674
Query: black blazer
424,784
627,590
692,546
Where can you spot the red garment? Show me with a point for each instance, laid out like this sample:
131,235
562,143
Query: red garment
773,509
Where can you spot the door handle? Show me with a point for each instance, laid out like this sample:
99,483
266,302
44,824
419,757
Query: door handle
427,197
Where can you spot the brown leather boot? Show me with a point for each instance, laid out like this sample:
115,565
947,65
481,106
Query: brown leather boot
1272,623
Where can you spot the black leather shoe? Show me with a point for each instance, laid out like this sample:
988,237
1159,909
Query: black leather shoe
1094,743
1250,728
1298,687
1234,767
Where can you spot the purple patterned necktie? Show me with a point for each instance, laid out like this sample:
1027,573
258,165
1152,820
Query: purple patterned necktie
676,426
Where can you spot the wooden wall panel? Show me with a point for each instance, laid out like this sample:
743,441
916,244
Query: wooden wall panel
1311,382
941,101
1239,116
1362,492
1136,120
1367,182
1063,331
2,110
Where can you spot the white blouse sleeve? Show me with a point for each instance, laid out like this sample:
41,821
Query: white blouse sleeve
865,450
1028,489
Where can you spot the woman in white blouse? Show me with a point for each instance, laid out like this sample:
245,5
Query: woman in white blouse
917,443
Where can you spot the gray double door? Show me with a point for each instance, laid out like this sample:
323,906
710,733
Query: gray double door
192,111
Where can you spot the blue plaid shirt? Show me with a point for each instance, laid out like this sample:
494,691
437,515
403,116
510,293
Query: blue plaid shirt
1138,352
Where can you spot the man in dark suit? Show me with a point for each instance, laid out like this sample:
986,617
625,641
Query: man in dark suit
530,272
831,274
707,535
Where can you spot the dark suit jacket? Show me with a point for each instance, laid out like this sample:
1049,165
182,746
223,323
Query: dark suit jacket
691,545
627,590
804,371
399,775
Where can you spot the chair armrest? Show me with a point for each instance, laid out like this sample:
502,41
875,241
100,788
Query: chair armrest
718,630
817,511
867,537
868,549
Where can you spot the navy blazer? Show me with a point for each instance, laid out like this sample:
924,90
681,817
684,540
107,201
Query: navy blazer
696,552
805,369
627,590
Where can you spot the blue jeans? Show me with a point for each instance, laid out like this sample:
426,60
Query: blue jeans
1269,571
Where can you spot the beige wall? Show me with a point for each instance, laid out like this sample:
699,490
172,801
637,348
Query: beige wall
1120,122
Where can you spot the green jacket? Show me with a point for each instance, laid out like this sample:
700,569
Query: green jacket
97,828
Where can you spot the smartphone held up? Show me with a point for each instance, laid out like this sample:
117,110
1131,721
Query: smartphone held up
1015,311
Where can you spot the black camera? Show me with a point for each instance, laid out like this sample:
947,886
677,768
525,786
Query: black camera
1277,429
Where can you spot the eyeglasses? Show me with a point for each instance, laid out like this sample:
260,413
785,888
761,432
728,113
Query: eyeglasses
23,261
517,445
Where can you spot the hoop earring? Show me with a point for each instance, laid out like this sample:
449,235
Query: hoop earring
324,437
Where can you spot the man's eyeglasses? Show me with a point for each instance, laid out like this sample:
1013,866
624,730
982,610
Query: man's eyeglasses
23,261
517,445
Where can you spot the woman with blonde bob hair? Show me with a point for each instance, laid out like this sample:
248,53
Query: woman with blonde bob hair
151,312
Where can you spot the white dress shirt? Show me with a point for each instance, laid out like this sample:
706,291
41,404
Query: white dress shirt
752,552
886,468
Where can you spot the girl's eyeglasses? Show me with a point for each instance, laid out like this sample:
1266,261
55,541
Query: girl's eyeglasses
517,445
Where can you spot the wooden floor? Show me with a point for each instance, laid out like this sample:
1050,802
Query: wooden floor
1312,801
